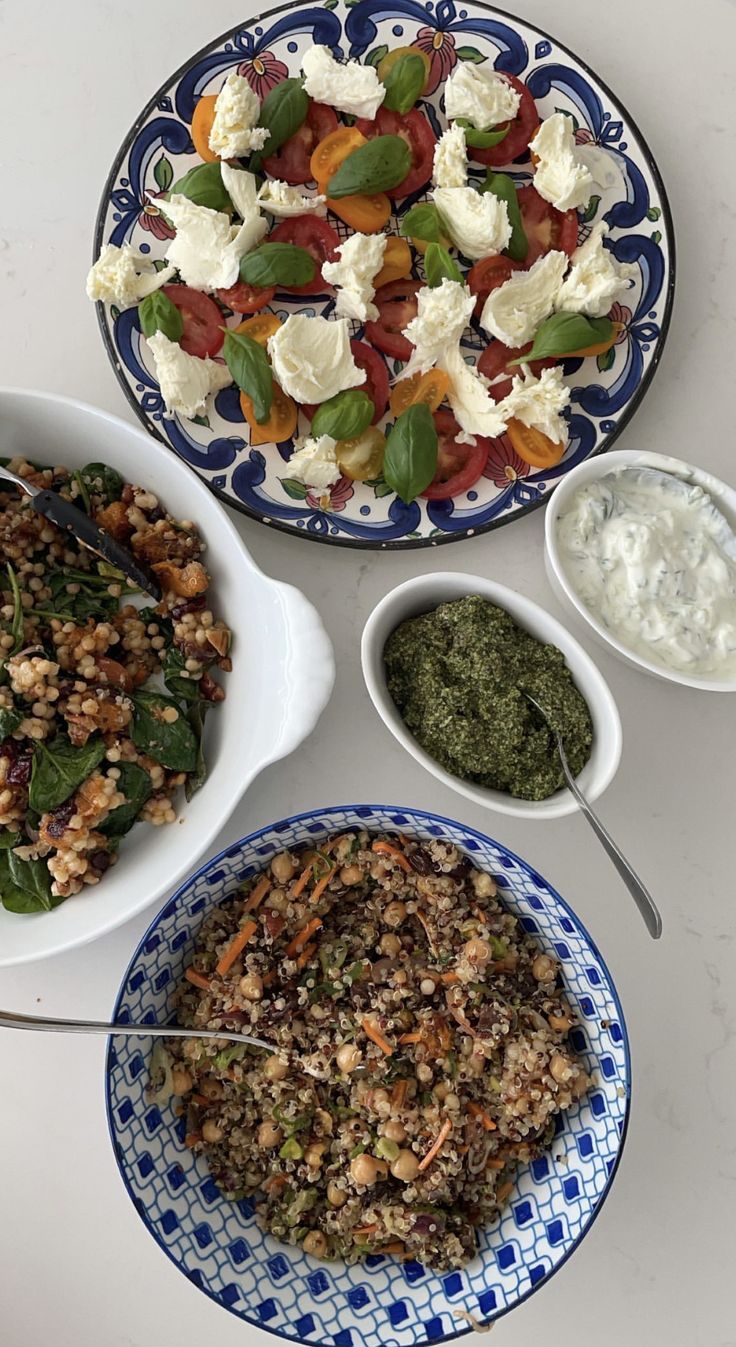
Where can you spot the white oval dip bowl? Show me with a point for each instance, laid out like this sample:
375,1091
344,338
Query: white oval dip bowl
425,593
281,679
724,498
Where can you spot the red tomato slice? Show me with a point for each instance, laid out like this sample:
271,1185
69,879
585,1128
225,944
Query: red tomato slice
203,320
397,305
414,128
520,131
318,238
376,376
243,298
487,275
291,162
545,227
494,363
459,466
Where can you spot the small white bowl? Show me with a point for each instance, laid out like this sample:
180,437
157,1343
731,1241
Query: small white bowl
723,496
425,593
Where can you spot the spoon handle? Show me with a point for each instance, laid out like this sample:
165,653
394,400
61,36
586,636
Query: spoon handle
639,892
11,1020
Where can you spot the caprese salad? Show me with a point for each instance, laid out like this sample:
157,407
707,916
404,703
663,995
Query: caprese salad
427,248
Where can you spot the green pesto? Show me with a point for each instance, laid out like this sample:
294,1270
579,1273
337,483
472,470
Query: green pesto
457,676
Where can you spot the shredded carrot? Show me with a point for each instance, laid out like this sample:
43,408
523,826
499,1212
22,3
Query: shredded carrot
449,977
411,1038
275,1184
365,1229
306,955
321,885
395,1247
495,1163
388,849
191,1139
236,947
302,881
202,1100
258,894
377,1037
301,937
436,1146
482,1117
504,1191
463,1150
422,919
198,980
398,1094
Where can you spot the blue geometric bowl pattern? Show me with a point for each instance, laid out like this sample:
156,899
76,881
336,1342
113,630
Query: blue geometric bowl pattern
381,1303
605,392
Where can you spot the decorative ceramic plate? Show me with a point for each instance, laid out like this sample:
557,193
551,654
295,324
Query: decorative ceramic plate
605,393
382,1302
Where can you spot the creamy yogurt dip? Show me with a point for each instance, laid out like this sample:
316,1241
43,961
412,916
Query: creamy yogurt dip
655,562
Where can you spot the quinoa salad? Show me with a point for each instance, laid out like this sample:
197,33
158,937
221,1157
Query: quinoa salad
421,1049
88,743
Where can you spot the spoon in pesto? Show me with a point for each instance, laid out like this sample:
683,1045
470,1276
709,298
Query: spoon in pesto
639,892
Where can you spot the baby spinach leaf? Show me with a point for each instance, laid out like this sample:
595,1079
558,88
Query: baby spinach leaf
195,716
377,166
8,839
345,415
136,785
423,222
404,82
504,187
32,877
83,493
204,186
482,140
172,743
16,626
277,264
250,368
438,265
156,313
283,111
59,768
410,460
103,481
564,333
10,719
172,665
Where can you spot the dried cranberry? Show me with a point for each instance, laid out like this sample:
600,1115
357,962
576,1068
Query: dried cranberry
421,861
155,514
99,860
59,818
194,605
462,870
19,772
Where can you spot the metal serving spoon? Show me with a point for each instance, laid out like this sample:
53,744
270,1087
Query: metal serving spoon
10,1020
639,892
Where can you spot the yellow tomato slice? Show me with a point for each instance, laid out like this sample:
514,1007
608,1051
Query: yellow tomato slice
260,327
204,115
391,57
330,153
281,422
429,388
361,459
366,214
598,347
536,449
396,262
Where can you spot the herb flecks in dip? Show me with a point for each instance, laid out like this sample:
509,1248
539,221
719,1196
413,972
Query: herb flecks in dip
458,676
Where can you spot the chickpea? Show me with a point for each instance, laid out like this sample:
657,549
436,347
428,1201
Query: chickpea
483,885
543,968
364,1170
251,986
390,945
559,1068
337,1197
275,1069
181,1081
560,1023
452,1100
315,1243
283,868
424,1073
477,951
211,1131
348,1057
212,1088
278,900
405,1167
394,913
427,987
351,874
269,1135
313,1154
395,1130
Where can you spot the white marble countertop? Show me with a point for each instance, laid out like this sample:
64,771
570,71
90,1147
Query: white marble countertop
77,1268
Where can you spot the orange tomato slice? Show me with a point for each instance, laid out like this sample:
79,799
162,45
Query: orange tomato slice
429,388
260,327
396,262
330,153
204,115
366,214
598,347
536,449
281,423
421,245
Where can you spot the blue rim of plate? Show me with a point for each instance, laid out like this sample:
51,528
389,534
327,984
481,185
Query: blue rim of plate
472,530
303,817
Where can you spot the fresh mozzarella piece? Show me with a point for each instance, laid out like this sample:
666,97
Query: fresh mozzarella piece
360,260
311,358
278,198
242,188
185,380
314,463
450,168
475,411
538,403
124,276
349,86
514,311
560,177
595,279
477,222
207,248
443,313
481,95
237,109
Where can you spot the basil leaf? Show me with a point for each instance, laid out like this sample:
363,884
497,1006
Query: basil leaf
249,366
16,626
345,415
156,313
32,877
438,265
59,767
172,743
10,719
404,83
410,460
504,187
375,167
136,785
482,140
100,480
423,222
283,111
563,334
204,186
197,778
278,264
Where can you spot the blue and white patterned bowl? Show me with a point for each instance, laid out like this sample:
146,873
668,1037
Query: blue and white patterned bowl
381,1303
605,393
